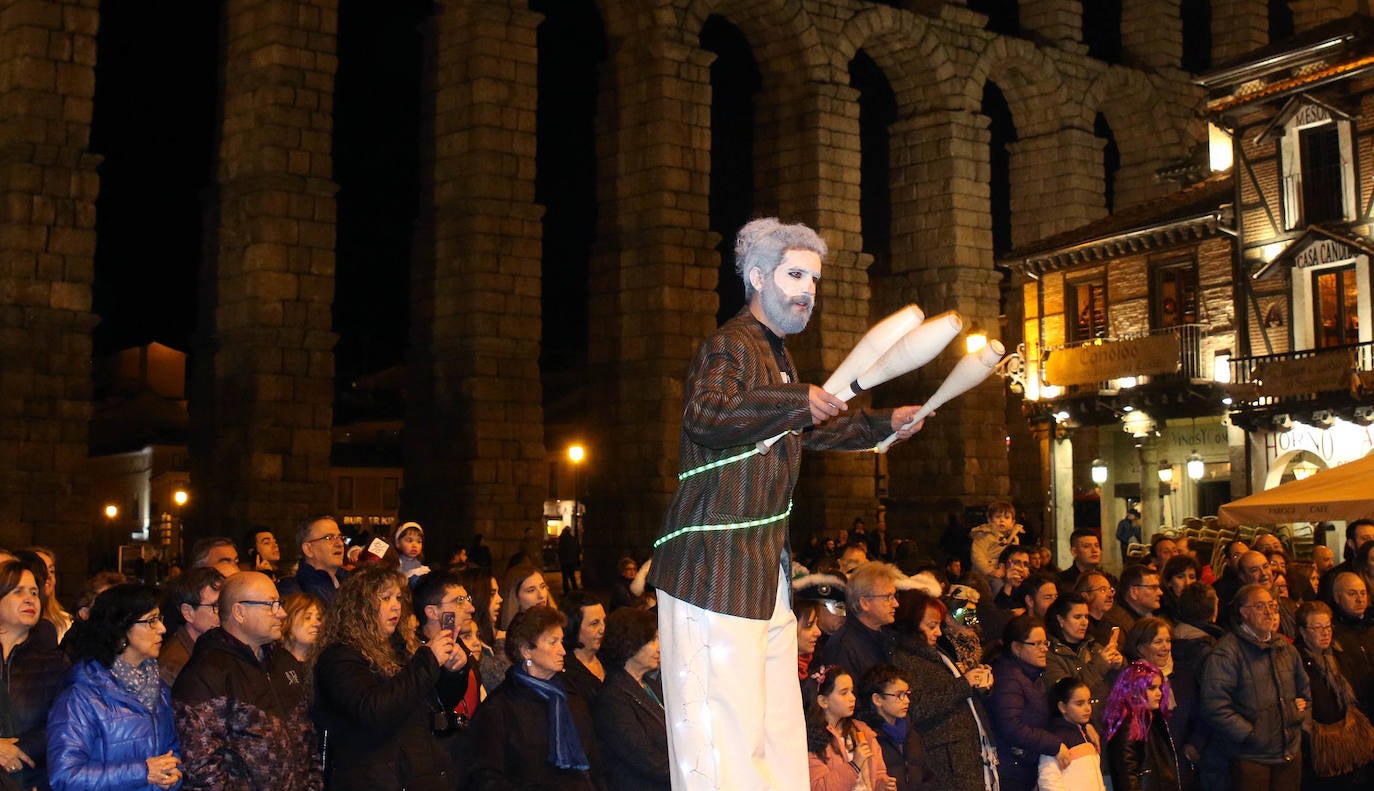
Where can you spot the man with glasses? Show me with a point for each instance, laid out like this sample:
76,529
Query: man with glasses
865,639
322,558
1100,593
1253,568
437,595
1140,595
1254,696
191,608
1354,634
240,724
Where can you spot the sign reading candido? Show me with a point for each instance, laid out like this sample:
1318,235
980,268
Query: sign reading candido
1093,363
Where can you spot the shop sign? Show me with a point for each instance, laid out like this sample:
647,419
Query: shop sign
1340,443
1093,363
1323,251
1323,372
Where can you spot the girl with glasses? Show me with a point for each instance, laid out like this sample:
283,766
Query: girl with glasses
885,700
843,752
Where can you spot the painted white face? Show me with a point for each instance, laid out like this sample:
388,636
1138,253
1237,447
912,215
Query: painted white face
788,294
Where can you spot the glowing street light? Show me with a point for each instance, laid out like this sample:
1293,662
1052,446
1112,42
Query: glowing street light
1099,471
576,453
180,497
111,511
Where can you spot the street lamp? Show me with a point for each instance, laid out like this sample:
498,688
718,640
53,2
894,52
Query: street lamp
111,511
1166,472
1196,466
1099,471
180,497
576,453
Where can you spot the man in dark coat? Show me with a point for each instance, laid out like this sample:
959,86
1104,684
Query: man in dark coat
1254,695
240,725
322,557
721,563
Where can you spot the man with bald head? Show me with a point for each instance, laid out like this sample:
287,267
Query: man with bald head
1357,534
241,724
1254,568
1353,632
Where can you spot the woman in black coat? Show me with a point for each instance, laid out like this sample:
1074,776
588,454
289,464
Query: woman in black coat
375,697
1020,705
946,706
515,744
1140,750
631,728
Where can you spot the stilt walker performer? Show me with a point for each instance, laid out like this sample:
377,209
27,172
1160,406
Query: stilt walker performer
728,636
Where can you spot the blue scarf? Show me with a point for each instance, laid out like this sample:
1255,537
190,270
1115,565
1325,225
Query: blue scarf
565,748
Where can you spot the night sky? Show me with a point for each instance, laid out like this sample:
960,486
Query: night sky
155,122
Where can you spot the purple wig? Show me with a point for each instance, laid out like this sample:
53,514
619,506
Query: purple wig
1128,701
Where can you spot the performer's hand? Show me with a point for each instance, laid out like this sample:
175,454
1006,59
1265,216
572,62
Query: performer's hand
900,416
824,405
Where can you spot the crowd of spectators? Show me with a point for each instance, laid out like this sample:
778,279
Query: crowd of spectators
370,669
1252,675
358,668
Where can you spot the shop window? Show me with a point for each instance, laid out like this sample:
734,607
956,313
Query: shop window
1086,303
1174,295
1318,168
1335,307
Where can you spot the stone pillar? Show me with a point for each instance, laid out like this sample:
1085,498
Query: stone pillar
942,259
1308,14
1152,33
653,282
817,182
1058,21
1058,530
1238,27
475,431
1057,183
263,427
48,186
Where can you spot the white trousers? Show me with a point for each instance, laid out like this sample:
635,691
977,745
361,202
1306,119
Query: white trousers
732,700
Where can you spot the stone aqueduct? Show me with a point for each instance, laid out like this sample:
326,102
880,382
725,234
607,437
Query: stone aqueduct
475,442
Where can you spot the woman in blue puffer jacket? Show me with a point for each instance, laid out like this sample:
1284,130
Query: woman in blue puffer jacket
111,729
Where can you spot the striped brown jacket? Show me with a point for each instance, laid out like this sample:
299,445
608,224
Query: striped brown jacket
726,531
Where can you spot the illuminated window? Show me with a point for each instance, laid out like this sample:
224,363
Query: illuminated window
1335,307
1173,295
1086,306
1318,167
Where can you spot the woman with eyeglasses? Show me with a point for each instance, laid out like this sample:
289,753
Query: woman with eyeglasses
946,706
1338,742
375,689
31,672
1020,705
111,729
1075,654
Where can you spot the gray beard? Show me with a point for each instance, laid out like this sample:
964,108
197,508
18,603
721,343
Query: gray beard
778,310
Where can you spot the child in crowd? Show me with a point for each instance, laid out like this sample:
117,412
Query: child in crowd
1140,751
1084,772
843,752
886,698
410,545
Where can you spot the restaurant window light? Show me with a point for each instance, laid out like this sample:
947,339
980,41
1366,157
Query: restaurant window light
1221,367
1219,153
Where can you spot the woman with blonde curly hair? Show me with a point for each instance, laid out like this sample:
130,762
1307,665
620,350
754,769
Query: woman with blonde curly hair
375,695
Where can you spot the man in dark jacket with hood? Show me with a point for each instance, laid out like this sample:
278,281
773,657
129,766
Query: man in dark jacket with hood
1254,695
241,724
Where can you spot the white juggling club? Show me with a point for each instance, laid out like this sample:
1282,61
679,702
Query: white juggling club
968,374
881,337
911,351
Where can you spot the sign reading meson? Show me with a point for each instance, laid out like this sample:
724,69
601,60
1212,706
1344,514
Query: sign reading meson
1151,355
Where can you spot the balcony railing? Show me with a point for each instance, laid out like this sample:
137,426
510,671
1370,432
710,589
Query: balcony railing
1243,368
1189,337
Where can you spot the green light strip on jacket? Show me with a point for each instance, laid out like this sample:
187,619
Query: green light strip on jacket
682,476
731,526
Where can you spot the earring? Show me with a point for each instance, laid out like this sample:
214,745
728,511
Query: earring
529,663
